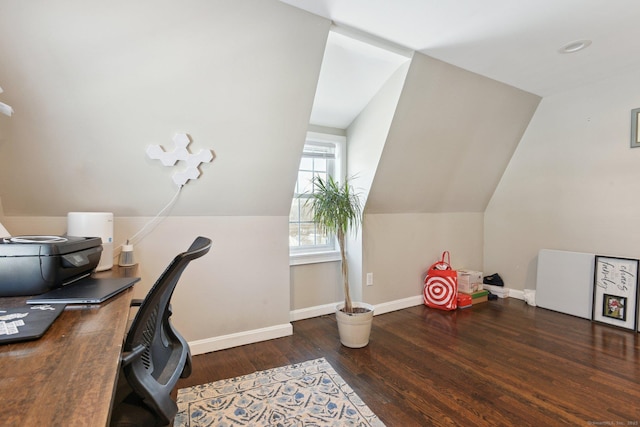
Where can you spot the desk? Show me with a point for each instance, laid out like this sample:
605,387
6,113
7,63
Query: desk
67,377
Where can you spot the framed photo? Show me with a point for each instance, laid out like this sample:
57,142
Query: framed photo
635,132
615,292
614,307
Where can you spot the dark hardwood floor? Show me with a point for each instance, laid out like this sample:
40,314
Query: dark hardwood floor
497,363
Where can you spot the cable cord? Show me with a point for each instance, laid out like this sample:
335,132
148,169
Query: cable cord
158,219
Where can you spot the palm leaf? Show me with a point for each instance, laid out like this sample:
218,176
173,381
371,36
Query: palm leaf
336,209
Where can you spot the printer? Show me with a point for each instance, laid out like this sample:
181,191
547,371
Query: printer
32,265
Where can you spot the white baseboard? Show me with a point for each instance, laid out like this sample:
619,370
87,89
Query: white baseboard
316,311
249,337
241,338
513,293
387,307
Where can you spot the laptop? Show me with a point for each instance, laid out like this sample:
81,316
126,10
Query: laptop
28,322
90,290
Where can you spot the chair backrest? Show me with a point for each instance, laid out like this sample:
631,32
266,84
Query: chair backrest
157,352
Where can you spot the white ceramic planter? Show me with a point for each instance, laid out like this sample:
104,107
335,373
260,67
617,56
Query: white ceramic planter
355,328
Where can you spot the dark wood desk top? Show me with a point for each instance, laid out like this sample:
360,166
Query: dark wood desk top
68,376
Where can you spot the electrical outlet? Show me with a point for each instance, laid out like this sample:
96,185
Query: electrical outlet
369,279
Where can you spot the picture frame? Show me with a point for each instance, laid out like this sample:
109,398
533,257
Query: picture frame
635,131
614,307
615,292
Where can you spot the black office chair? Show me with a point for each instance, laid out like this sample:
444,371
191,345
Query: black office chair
155,355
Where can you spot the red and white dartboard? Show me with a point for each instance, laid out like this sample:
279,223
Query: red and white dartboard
440,292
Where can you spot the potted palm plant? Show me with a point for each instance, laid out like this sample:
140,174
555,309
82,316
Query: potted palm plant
336,209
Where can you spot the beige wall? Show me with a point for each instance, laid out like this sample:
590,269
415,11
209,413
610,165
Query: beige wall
571,184
242,284
448,141
452,135
366,139
315,284
399,248
94,84
428,152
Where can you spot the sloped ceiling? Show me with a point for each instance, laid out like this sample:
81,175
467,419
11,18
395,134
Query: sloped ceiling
353,70
453,132
512,41
452,136
93,84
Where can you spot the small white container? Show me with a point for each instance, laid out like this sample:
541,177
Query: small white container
94,224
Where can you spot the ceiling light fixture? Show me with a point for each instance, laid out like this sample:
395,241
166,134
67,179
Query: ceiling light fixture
575,46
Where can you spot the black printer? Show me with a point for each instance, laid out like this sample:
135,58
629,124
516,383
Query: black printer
32,265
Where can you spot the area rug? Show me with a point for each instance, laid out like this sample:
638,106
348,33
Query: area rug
305,394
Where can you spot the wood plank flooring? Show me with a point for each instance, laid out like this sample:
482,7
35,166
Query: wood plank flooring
496,363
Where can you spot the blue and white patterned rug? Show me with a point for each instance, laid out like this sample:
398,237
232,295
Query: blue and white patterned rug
305,394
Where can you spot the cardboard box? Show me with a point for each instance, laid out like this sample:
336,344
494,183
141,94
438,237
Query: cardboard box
464,300
479,300
478,296
469,281
469,287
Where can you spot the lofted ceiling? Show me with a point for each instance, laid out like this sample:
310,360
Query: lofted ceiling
353,70
514,42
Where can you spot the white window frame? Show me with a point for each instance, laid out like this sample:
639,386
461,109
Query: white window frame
298,256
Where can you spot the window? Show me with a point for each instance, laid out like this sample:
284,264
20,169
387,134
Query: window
322,156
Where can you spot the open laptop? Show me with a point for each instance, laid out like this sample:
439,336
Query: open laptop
27,322
86,291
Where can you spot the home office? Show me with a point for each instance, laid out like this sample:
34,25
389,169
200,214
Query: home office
70,356
93,85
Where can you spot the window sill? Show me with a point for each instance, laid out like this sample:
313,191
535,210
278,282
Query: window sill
314,257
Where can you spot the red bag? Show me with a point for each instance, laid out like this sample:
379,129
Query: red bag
441,285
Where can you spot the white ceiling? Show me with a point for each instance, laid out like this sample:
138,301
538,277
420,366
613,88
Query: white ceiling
512,41
352,73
